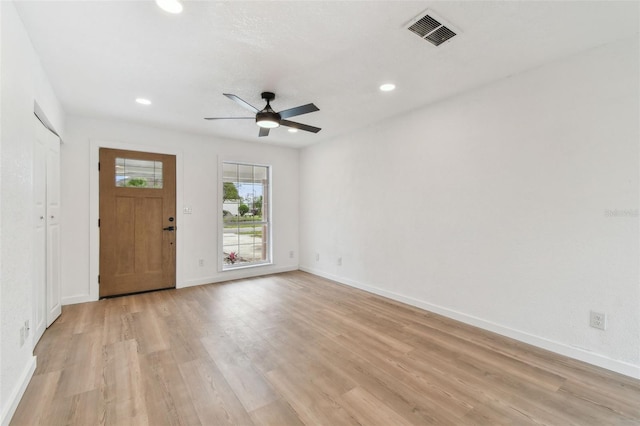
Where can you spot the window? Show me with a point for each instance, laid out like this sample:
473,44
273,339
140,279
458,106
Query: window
138,173
245,215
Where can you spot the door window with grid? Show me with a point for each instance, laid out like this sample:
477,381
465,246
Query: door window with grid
245,215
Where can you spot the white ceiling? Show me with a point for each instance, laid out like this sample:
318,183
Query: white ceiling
101,55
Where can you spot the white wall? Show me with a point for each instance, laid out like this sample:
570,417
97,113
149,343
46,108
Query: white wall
2,330
508,226
23,83
197,179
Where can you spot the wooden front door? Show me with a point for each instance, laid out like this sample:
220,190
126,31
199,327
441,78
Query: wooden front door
137,222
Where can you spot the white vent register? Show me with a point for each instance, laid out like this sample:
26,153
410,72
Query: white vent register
432,28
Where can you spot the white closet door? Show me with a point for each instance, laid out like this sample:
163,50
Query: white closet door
54,306
46,274
39,323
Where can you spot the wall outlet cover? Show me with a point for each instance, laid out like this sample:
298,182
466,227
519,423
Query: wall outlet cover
598,320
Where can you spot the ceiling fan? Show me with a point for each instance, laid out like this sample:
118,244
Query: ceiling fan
268,119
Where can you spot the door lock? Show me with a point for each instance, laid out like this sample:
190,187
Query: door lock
169,228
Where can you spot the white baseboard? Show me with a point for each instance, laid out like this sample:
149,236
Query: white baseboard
238,275
580,354
72,300
17,392
230,275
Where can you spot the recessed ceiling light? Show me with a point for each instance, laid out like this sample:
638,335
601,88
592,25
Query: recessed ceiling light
143,101
171,6
292,130
387,87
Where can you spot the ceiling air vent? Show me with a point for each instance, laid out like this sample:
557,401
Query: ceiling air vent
431,28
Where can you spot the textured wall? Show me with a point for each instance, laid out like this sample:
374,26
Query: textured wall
2,331
496,206
23,83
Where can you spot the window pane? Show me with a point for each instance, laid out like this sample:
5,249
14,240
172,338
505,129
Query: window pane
229,172
244,200
133,173
245,251
228,217
245,173
259,173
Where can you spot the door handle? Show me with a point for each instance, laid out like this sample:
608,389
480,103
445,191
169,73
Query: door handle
169,228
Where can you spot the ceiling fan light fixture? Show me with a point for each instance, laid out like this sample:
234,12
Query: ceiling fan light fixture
171,6
268,120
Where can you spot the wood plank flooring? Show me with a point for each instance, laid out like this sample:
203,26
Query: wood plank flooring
295,349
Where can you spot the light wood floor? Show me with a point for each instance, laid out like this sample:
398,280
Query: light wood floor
295,349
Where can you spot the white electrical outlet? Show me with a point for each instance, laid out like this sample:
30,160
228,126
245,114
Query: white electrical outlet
339,261
200,262
26,329
317,257
598,320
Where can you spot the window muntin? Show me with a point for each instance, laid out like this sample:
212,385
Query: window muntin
132,173
246,215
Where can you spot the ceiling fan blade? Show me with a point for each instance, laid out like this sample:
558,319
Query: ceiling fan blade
303,109
241,102
229,118
299,126
263,132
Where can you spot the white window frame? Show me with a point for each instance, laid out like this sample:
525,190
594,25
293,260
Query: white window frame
222,266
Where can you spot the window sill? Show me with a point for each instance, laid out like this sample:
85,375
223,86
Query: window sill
227,268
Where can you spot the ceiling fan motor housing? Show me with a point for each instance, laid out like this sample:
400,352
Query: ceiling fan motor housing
268,118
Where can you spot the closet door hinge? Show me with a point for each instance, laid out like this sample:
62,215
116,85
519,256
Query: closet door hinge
98,166
98,223
98,279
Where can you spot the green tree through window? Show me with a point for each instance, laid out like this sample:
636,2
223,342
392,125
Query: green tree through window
229,191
